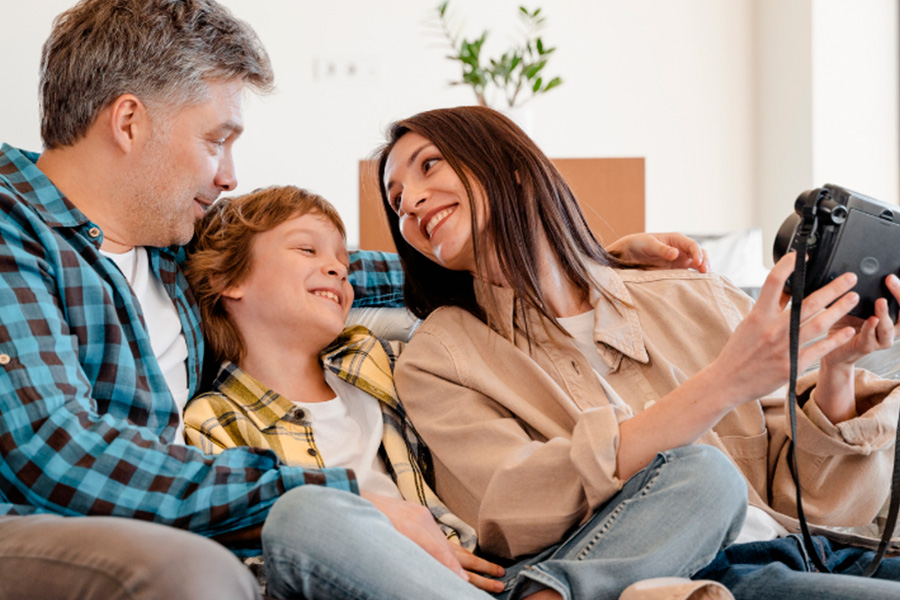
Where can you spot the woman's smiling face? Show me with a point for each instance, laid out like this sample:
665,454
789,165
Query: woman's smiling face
431,203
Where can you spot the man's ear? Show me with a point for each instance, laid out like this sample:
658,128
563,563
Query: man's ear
129,121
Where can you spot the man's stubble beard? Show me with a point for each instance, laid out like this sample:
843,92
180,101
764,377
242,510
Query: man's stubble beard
156,215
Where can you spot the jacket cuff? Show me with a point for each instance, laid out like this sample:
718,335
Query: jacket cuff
874,430
593,454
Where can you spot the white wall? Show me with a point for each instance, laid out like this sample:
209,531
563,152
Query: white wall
855,89
827,101
784,152
679,83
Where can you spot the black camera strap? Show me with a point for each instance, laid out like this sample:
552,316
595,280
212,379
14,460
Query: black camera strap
798,283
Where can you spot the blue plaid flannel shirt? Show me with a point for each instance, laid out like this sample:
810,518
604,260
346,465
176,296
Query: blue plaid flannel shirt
87,422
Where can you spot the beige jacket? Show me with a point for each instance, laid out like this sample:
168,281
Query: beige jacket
524,440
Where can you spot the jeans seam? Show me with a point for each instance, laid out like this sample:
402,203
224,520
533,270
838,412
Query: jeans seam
612,518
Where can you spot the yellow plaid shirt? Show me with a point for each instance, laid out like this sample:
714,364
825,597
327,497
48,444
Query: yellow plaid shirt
241,411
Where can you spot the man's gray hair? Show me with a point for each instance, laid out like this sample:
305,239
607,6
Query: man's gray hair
161,51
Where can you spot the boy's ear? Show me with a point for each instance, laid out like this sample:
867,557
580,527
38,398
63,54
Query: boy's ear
235,292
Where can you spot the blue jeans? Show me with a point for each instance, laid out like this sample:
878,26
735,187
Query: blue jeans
670,519
781,569
325,543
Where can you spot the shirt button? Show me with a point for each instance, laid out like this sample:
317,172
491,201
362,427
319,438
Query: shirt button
94,232
4,359
311,451
298,413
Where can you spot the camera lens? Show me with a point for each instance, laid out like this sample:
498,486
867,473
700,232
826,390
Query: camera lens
785,236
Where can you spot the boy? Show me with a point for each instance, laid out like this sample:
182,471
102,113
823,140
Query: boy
269,270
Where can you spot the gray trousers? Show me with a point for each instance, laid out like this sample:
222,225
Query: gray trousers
108,558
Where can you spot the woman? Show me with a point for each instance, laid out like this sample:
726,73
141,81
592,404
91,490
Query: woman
557,388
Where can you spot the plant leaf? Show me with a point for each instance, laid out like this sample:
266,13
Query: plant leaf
553,83
518,69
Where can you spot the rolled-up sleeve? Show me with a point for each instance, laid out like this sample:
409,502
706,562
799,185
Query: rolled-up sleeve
845,468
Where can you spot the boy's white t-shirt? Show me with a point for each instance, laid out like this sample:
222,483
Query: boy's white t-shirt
163,324
348,431
758,525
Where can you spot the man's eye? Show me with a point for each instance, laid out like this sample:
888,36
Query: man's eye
307,250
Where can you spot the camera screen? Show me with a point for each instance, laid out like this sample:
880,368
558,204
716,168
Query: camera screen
870,247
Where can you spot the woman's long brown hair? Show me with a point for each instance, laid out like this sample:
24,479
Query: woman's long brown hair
525,194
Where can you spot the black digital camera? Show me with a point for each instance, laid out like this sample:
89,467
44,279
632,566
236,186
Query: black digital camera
850,232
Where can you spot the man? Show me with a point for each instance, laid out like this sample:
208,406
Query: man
100,345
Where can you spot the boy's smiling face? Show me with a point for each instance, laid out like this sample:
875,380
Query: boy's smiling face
297,289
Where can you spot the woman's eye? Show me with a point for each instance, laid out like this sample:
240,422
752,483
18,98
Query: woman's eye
395,203
428,163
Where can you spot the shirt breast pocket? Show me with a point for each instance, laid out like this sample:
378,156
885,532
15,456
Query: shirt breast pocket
750,454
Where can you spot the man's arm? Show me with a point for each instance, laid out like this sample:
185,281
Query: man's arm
81,424
377,279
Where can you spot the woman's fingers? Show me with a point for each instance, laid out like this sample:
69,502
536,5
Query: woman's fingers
817,350
816,321
771,295
828,294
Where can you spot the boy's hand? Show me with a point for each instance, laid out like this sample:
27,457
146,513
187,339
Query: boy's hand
835,390
477,568
415,522
661,251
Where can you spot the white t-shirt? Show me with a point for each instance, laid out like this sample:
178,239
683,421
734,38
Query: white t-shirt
581,328
758,526
163,324
348,431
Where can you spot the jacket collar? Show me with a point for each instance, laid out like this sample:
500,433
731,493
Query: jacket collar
617,328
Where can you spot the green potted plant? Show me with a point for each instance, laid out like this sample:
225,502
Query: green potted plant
516,76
